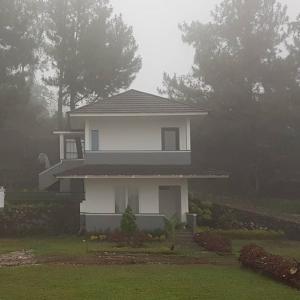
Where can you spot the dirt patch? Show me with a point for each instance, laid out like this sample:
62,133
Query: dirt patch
18,258
131,259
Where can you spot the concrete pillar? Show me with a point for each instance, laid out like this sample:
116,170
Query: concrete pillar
188,135
184,200
61,146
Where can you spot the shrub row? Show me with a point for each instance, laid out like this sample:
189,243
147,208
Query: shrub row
119,236
278,267
213,242
224,217
52,218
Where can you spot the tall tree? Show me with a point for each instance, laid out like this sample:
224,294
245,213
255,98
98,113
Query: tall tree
19,41
92,51
243,73
23,115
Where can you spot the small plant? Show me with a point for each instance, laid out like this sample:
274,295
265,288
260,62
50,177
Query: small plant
170,227
128,222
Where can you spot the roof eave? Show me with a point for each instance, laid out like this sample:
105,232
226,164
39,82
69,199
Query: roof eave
208,176
77,114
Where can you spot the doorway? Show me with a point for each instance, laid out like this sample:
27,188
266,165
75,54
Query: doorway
170,201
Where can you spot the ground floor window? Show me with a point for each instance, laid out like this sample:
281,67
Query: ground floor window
126,196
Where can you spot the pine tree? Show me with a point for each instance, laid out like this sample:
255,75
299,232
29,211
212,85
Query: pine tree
128,222
92,52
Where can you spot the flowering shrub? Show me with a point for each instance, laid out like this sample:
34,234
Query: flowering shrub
137,239
158,238
213,242
283,269
99,238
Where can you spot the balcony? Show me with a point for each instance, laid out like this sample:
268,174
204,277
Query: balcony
138,157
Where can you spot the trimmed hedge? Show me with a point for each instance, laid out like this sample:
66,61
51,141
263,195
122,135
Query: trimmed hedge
283,269
213,242
24,215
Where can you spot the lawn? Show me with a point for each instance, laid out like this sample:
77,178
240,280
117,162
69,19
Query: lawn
74,246
139,282
289,208
220,278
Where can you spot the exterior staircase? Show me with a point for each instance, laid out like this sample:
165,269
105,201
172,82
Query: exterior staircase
47,178
184,238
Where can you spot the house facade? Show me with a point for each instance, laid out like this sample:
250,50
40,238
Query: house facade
133,149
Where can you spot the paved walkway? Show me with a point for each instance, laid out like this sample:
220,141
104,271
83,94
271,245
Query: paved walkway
18,258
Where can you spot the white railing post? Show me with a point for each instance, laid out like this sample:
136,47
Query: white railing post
2,197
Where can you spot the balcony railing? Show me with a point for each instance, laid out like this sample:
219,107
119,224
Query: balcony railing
138,157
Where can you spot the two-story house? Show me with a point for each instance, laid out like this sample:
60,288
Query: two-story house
132,149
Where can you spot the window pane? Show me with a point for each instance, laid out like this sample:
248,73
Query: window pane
133,199
170,139
120,199
95,140
71,149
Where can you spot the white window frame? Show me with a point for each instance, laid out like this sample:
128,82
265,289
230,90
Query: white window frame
126,189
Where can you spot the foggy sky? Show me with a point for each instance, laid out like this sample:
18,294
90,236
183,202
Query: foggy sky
155,25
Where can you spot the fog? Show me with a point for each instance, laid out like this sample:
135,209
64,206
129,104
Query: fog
155,25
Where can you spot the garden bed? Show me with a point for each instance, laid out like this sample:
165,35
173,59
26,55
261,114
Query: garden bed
131,259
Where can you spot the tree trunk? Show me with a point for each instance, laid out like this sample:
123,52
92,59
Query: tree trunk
77,139
60,102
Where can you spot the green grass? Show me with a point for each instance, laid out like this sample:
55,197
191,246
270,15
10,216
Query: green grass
139,282
73,246
273,206
278,206
45,245
245,234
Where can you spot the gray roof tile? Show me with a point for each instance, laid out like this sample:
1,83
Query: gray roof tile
134,101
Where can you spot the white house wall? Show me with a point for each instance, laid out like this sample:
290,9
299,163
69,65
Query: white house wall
100,199
135,133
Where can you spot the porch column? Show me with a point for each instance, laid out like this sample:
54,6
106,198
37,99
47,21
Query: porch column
184,200
61,147
188,135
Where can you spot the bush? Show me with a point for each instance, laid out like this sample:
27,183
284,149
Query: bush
49,217
117,237
202,208
280,268
137,239
245,234
213,242
128,222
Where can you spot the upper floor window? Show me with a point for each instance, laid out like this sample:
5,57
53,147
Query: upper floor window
71,151
170,139
95,140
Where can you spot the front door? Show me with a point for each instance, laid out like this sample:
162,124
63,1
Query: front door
170,201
